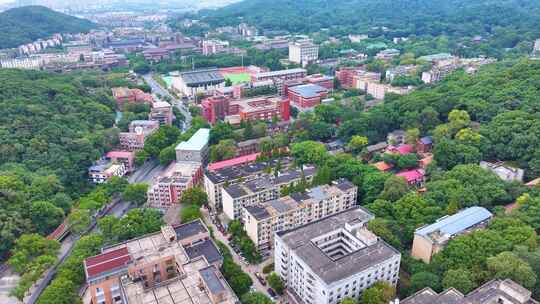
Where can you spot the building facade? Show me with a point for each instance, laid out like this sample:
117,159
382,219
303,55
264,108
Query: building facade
198,81
179,264
218,177
263,220
325,261
196,148
430,239
139,130
303,52
259,190
307,95
495,291
162,112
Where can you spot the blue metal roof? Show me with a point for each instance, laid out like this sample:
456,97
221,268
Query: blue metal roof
454,224
308,90
426,140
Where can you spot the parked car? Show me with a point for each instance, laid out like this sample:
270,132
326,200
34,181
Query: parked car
260,278
272,293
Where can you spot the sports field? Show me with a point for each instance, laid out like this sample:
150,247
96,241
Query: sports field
237,78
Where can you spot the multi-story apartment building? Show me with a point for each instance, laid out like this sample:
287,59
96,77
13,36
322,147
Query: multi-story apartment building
179,264
265,188
263,220
238,170
325,261
183,174
167,188
430,239
495,291
161,112
303,52
361,79
102,170
27,63
290,74
379,90
139,130
125,157
214,46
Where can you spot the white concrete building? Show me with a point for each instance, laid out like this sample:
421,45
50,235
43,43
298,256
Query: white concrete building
303,52
325,261
265,188
263,220
205,81
505,172
195,149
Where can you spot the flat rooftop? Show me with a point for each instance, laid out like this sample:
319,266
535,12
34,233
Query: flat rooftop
308,90
280,73
190,229
206,249
330,269
197,142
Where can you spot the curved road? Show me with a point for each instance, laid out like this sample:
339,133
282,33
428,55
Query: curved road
158,89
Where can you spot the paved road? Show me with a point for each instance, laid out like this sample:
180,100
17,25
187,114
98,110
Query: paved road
158,89
118,209
146,172
249,269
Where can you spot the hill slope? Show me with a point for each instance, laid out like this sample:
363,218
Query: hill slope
502,23
26,24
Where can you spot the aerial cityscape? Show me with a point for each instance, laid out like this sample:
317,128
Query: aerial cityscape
270,151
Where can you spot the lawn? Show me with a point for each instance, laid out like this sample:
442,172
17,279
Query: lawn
237,78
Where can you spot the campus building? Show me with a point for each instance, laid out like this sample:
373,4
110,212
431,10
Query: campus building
303,52
162,112
139,130
103,170
259,190
204,81
233,171
124,95
333,258
125,157
430,239
495,291
307,95
196,148
261,221
185,173
177,265
234,111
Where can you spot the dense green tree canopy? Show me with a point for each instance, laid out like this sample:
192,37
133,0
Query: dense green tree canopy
26,24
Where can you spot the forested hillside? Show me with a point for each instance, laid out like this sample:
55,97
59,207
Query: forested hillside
498,112
26,24
51,129
502,24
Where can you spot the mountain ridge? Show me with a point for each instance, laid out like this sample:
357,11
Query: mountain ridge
25,24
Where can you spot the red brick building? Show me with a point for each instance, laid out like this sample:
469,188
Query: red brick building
345,77
264,108
321,80
307,95
125,157
124,95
